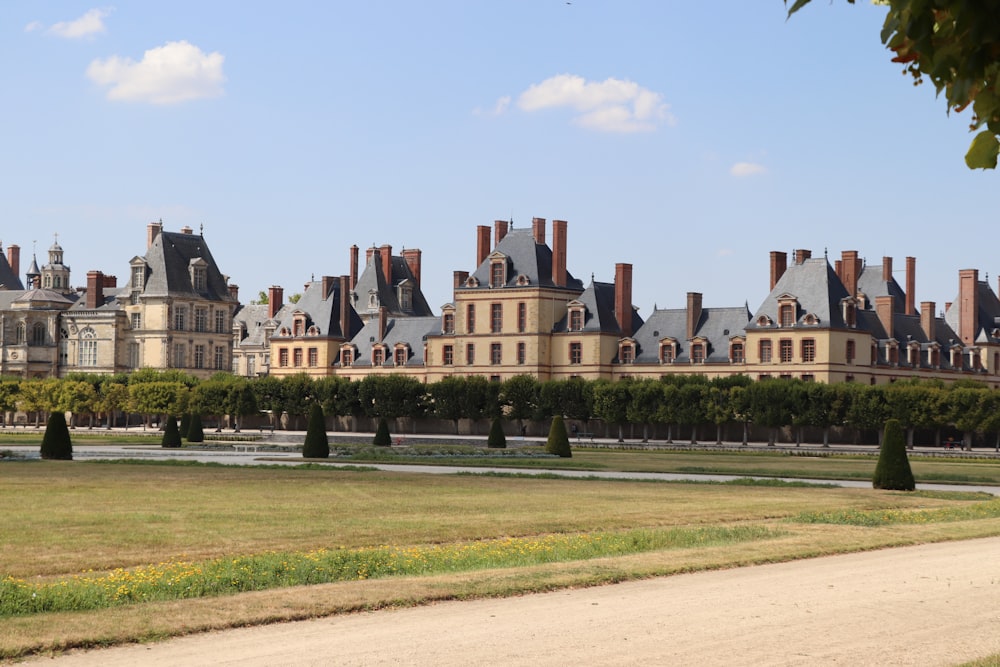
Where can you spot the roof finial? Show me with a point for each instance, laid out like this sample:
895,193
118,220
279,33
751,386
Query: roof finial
201,229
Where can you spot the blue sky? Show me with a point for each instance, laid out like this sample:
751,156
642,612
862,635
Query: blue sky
686,138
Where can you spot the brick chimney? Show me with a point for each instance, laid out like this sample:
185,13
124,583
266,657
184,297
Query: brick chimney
110,282
412,259
500,228
482,244
693,313
887,269
385,252
851,266
14,258
383,322
460,278
153,230
326,286
538,230
883,308
623,298
802,255
559,253
779,262
234,292
95,289
354,266
368,255
927,319
911,285
345,308
968,304
274,296
186,230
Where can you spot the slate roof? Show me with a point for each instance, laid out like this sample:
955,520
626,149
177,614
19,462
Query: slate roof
45,297
374,279
599,314
410,330
8,279
817,288
323,313
870,282
168,262
524,257
716,325
987,317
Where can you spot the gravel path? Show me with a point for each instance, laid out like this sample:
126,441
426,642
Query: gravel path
935,604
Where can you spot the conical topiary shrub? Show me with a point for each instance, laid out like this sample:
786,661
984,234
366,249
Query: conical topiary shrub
497,439
171,434
185,425
558,442
56,443
316,445
382,437
196,433
893,468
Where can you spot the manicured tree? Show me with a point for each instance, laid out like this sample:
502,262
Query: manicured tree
196,433
56,443
382,437
497,439
893,468
558,442
316,445
171,435
185,425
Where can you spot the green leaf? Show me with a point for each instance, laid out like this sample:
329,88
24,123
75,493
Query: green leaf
983,151
799,4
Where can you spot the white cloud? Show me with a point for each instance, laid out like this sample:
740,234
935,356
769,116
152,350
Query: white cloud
33,26
612,105
742,169
498,109
168,74
88,25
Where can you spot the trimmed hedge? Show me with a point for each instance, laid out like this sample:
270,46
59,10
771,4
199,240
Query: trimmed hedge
382,437
171,434
196,433
316,445
56,443
893,471
558,442
497,439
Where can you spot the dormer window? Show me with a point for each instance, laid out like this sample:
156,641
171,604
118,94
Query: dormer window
448,323
576,319
299,325
892,352
498,272
764,321
786,314
372,300
405,297
956,357
736,351
346,356
402,354
668,351
913,354
849,312
523,280
935,357
138,276
698,352
626,352
378,355
199,274
471,281
810,320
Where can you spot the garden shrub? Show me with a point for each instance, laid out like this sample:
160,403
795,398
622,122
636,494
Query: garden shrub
382,437
196,433
185,424
171,434
56,443
497,439
316,445
558,442
893,468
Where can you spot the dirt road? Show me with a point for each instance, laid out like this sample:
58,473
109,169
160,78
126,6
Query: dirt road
936,604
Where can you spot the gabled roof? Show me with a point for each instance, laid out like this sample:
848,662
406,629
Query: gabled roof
374,280
321,310
716,326
815,286
412,331
525,257
871,283
168,261
599,314
987,317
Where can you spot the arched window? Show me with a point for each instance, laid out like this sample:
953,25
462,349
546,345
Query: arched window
38,333
88,347
19,335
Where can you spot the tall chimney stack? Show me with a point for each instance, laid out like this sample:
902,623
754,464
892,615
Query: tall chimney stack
482,244
887,269
234,292
326,286
538,230
153,230
186,230
968,305
354,266
559,253
500,228
623,298
383,322
911,285
14,259
883,308
927,319
459,278
693,313
802,255
95,289
779,262
850,267
386,253
274,296
412,259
